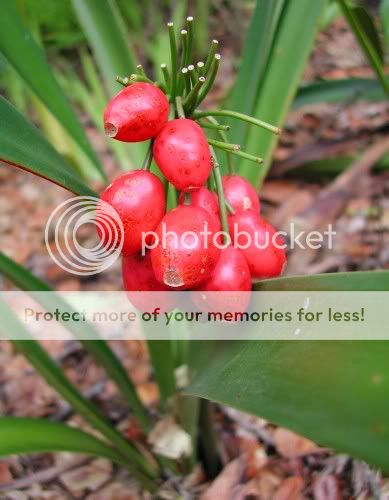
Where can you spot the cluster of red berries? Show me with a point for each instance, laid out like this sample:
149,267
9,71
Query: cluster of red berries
182,153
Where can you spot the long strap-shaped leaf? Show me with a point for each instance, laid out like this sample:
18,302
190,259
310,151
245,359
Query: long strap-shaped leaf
107,35
334,392
20,49
291,46
34,435
364,30
23,146
98,348
259,40
55,377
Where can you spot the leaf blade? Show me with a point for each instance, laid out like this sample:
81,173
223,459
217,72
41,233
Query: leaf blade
21,51
23,146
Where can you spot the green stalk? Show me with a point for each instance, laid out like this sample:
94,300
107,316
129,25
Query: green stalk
214,126
200,68
184,49
179,107
223,136
189,28
186,77
210,79
192,74
140,78
123,80
166,76
220,195
210,57
149,157
191,98
140,70
238,116
234,149
173,55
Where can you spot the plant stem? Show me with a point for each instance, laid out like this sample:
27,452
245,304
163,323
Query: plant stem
214,126
123,81
224,145
210,79
193,74
173,55
149,157
220,194
210,57
223,136
179,107
140,78
208,439
141,71
200,68
181,81
189,28
239,116
191,98
187,82
229,207
166,76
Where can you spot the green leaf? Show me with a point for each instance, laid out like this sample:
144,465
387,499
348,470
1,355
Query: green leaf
20,435
20,49
357,281
367,24
254,62
106,33
290,49
55,377
98,348
23,146
366,41
384,14
333,91
332,392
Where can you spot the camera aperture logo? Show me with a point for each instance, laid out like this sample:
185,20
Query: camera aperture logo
65,246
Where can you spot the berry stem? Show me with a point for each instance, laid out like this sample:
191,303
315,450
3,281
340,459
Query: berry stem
149,157
239,116
220,195
210,57
224,145
166,76
193,74
191,98
210,79
187,199
179,107
229,148
189,29
173,55
140,70
223,136
187,82
229,207
140,78
184,48
214,126
123,81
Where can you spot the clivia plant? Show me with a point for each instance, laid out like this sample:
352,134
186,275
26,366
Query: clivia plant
315,388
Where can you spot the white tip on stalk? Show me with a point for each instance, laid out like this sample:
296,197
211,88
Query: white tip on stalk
189,18
184,70
200,64
190,67
184,32
163,66
170,24
216,42
218,57
201,79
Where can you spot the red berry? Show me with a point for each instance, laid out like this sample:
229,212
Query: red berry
136,113
240,193
263,253
139,199
186,253
138,276
231,274
204,198
181,152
